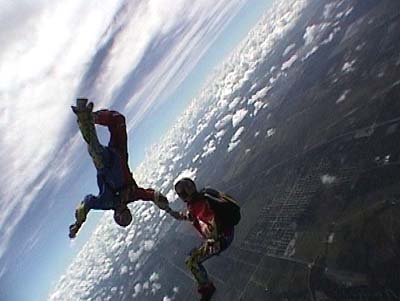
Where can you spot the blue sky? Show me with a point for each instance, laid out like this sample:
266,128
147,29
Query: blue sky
145,58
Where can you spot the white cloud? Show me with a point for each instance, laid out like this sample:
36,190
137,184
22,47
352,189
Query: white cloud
235,139
328,9
314,33
331,237
271,132
233,145
220,134
259,95
328,179
137,289
134,256
238,117
360,46
232,105
154,277
195,158
258,105
237,134
223,122
155,287
343,96
288,49
310,34
209,148
348,11
286,65
310,53
124,270
348,66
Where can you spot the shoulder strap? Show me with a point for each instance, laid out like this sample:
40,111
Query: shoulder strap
210,192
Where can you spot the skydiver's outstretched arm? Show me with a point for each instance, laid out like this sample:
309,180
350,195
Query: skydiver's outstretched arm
151,195
81,213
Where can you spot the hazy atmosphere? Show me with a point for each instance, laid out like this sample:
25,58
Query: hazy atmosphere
290,106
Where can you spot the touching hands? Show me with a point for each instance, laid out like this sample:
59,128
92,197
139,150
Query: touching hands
161,201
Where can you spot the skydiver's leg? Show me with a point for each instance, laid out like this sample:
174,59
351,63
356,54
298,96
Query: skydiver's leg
194,263
150,195
88,131
197,256
115,122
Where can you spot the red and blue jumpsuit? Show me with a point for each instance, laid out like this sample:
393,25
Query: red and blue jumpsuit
111,162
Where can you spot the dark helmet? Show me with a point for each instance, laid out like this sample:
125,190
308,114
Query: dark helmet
185,188
123,217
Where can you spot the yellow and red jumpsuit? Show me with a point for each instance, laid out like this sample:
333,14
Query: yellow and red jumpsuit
216,237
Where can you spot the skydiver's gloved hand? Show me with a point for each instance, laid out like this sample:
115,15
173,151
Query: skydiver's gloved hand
73,230
80,216
161,201
82,107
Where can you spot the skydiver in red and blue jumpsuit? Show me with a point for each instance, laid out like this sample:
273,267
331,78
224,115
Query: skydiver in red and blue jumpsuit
116,185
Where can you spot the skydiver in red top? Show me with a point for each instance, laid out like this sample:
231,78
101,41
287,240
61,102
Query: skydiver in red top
217,237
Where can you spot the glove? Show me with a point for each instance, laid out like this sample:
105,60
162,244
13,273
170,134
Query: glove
81,214
213,246
73,230
161,201
82,107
